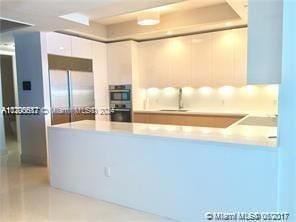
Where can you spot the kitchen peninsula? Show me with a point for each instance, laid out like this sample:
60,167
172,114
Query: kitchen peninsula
131,163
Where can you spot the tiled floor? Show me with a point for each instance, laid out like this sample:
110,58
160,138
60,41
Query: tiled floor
25,196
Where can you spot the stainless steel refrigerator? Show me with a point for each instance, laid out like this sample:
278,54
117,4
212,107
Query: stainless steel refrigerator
71,93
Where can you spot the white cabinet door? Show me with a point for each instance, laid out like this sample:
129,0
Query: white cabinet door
179,56
58,44
154,64
230,57
81,48
240,54
119,57
224,43
202,58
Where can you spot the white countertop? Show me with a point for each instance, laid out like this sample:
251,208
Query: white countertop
237,134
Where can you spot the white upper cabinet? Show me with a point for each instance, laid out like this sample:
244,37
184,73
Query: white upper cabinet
265,41
58,44
223,58
66,45
119,57
81,48
210,59
154,64
179,56
229,57
165,62
240,55
202,58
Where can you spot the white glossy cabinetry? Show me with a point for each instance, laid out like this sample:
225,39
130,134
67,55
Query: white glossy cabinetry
81,48
59,44
166,62
66,45
202,58
154,64
240,55
211,59
119,59
229,57
265,41
179,56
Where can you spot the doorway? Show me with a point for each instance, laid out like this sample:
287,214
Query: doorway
9,100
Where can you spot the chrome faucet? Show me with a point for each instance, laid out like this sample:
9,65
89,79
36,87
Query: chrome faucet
180,99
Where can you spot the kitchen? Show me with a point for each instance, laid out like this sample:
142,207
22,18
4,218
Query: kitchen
184,105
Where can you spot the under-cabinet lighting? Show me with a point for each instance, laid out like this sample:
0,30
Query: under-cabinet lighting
152,91
169,91
226,90
187,91
206,90
272,89
249,89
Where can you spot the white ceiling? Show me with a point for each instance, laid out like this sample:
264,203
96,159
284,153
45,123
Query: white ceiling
165,9
44,14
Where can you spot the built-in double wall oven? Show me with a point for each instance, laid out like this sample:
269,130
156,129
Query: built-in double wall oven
120,103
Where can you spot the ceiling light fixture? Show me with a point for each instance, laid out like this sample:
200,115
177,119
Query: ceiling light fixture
151,18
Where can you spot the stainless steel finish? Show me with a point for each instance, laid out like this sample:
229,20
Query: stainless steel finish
59,93
82,89
122,110
120,103
180,99
118,90
120,87
71,90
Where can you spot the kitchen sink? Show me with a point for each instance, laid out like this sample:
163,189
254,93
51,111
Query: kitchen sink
174,110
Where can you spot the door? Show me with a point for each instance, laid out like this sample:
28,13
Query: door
82,100
59,96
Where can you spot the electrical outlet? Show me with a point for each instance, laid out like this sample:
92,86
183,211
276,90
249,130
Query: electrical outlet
107,171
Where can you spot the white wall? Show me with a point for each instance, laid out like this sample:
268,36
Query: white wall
31,61
287,119
248,99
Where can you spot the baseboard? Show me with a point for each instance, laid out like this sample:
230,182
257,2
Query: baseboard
34,160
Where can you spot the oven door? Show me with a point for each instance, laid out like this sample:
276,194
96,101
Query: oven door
121,115
120,95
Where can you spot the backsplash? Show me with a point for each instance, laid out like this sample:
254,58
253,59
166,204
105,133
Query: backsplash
261,99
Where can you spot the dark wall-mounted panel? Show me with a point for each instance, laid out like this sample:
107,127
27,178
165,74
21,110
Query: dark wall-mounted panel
69,63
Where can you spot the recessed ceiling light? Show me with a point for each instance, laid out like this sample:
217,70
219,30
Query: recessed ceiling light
76,17
151,18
